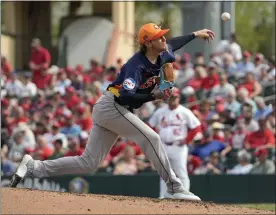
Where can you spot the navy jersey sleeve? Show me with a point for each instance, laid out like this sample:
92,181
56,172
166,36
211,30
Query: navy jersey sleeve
132,77
167,56
178,42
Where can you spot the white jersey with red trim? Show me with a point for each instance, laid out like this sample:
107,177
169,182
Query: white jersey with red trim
173,125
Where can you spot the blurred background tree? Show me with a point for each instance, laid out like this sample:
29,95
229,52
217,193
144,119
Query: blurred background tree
167,14
255,26
254,22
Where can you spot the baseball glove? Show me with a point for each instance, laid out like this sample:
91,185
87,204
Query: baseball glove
167,76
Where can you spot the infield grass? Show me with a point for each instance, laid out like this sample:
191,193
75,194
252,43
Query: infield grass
269,207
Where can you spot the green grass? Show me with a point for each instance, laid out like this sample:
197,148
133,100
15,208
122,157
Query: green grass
269,207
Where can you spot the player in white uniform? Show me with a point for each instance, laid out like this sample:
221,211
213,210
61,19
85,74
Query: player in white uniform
176,126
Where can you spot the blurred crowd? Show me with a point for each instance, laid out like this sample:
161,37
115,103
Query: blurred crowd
47,112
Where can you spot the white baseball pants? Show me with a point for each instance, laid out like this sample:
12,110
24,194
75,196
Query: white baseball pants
178,156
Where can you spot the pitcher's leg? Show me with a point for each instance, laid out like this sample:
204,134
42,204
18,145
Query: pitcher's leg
99,143
133,128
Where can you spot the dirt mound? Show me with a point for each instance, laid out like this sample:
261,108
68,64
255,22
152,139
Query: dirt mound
25,201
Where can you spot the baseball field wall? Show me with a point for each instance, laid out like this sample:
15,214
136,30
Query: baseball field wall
219,189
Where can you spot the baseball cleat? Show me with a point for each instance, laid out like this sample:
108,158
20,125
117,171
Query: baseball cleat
184,195
21,171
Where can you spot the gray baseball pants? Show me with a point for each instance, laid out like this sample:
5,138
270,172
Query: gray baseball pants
110,121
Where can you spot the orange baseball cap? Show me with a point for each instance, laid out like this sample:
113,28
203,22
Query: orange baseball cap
150,31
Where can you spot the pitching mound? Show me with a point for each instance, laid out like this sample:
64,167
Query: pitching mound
25,201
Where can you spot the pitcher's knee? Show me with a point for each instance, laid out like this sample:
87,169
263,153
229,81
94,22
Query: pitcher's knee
88,164
155,138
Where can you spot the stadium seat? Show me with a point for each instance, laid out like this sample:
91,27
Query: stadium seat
269,90
199,94
231,160
232,79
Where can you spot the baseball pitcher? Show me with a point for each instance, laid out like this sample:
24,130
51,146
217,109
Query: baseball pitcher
113,113
176,126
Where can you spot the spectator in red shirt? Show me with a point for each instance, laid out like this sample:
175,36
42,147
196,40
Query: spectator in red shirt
85,118
212,78
196,81
62,110
74,147
79,69
39,63
193,163
42,151
112,73
6,67
25,103
253,87
20,116
218,133
95,70
263,138
138,152
117,147
71,98
89,98
40,129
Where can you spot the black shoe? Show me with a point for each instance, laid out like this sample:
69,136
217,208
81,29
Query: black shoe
21,171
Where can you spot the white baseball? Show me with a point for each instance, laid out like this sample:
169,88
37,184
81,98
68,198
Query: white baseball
225,16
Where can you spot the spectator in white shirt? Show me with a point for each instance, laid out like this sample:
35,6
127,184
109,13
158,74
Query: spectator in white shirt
55,134
223,89
235,48
250,124
185,74
14,86
245,65
63,82
271,73
28,135
260,66
232,104
28,88
239,136
244,166
229,65
18,147
243,98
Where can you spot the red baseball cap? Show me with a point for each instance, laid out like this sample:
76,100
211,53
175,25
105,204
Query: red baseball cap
176,92
56,125
79,68
68,69
150,31
246,54
186,57
5,102
220,108
81,109
261,152
69,117
70,90
259,56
